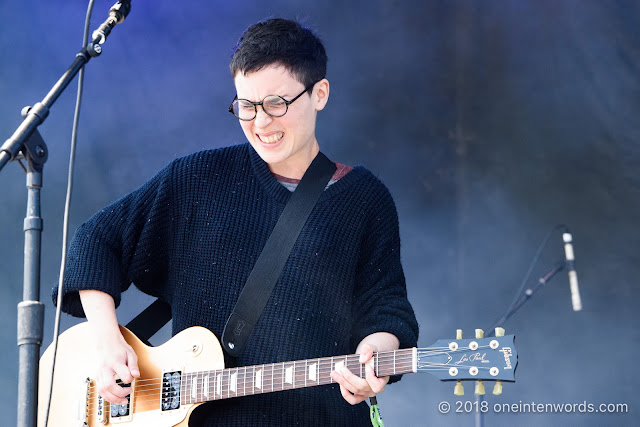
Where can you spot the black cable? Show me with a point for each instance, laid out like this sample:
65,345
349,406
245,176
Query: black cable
65,222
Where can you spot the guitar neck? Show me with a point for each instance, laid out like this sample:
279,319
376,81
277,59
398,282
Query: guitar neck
218,384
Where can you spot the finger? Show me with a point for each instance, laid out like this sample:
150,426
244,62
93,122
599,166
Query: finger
354,383
353,399
110,390
113,398
366,354
376,384
123,372
132,362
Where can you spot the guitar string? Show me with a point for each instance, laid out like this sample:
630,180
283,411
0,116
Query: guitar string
270,380
382,363
187,399
267,379
382,356
241,390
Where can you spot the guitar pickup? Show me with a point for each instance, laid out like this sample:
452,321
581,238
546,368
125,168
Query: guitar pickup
121,413
171,381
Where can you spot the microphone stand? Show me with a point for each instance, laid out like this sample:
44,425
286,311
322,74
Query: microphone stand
27,143
526,296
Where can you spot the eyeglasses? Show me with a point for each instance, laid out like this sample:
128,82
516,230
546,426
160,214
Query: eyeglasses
273,105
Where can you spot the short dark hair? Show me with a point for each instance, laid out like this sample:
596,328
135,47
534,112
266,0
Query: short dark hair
284,42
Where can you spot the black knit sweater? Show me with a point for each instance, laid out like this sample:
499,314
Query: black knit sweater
192,234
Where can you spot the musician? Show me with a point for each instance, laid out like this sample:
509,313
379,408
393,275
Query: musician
191,235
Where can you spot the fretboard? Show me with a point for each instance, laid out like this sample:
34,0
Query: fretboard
205,386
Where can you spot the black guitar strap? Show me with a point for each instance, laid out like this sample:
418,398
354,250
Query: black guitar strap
266,271
151,320
274,255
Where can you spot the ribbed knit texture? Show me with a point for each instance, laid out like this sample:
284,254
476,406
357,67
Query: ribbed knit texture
192,234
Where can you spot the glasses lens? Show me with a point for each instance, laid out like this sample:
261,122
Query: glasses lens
244,109
274,106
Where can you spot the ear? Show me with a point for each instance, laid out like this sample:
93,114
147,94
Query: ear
321,94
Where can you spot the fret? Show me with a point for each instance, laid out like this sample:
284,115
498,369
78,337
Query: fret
294,374
194,387
222,381
219,383
278,376
288,382
332,367
187,379
184,390
348,363
312,372
233,383
356,360
273,377
300,377
337,366
324,371
371,362
244,381
205,386
204,393
250,379
258,379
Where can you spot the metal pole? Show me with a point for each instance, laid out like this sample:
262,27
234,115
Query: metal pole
30,310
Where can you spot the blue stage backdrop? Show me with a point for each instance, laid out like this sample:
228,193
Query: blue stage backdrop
490,122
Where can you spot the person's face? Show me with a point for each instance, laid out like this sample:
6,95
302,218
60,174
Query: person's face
287,144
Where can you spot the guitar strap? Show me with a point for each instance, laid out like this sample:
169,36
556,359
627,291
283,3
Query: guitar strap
266,271
274,255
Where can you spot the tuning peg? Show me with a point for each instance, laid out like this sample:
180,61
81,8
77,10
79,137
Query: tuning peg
458,390
458,334
479,333
499,332
479,387
497,389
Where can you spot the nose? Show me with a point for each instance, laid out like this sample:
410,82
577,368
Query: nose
262,119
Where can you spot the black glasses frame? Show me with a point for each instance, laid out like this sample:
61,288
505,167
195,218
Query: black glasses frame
255,104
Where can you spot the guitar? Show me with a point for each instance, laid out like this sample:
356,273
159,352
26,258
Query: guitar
189,369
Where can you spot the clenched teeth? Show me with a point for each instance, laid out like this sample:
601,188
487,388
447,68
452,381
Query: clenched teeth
271,138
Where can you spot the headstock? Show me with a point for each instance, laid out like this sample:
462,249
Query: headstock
478,359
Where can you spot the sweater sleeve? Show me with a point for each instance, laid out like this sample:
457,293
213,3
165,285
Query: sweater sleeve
380,300
121,244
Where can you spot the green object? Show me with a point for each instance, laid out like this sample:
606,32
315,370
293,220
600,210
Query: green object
374,412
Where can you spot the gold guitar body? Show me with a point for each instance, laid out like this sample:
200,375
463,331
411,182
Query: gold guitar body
75,399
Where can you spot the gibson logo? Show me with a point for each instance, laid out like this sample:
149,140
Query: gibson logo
473,357
506,352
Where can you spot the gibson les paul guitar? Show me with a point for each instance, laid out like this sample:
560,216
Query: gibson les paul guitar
189,369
